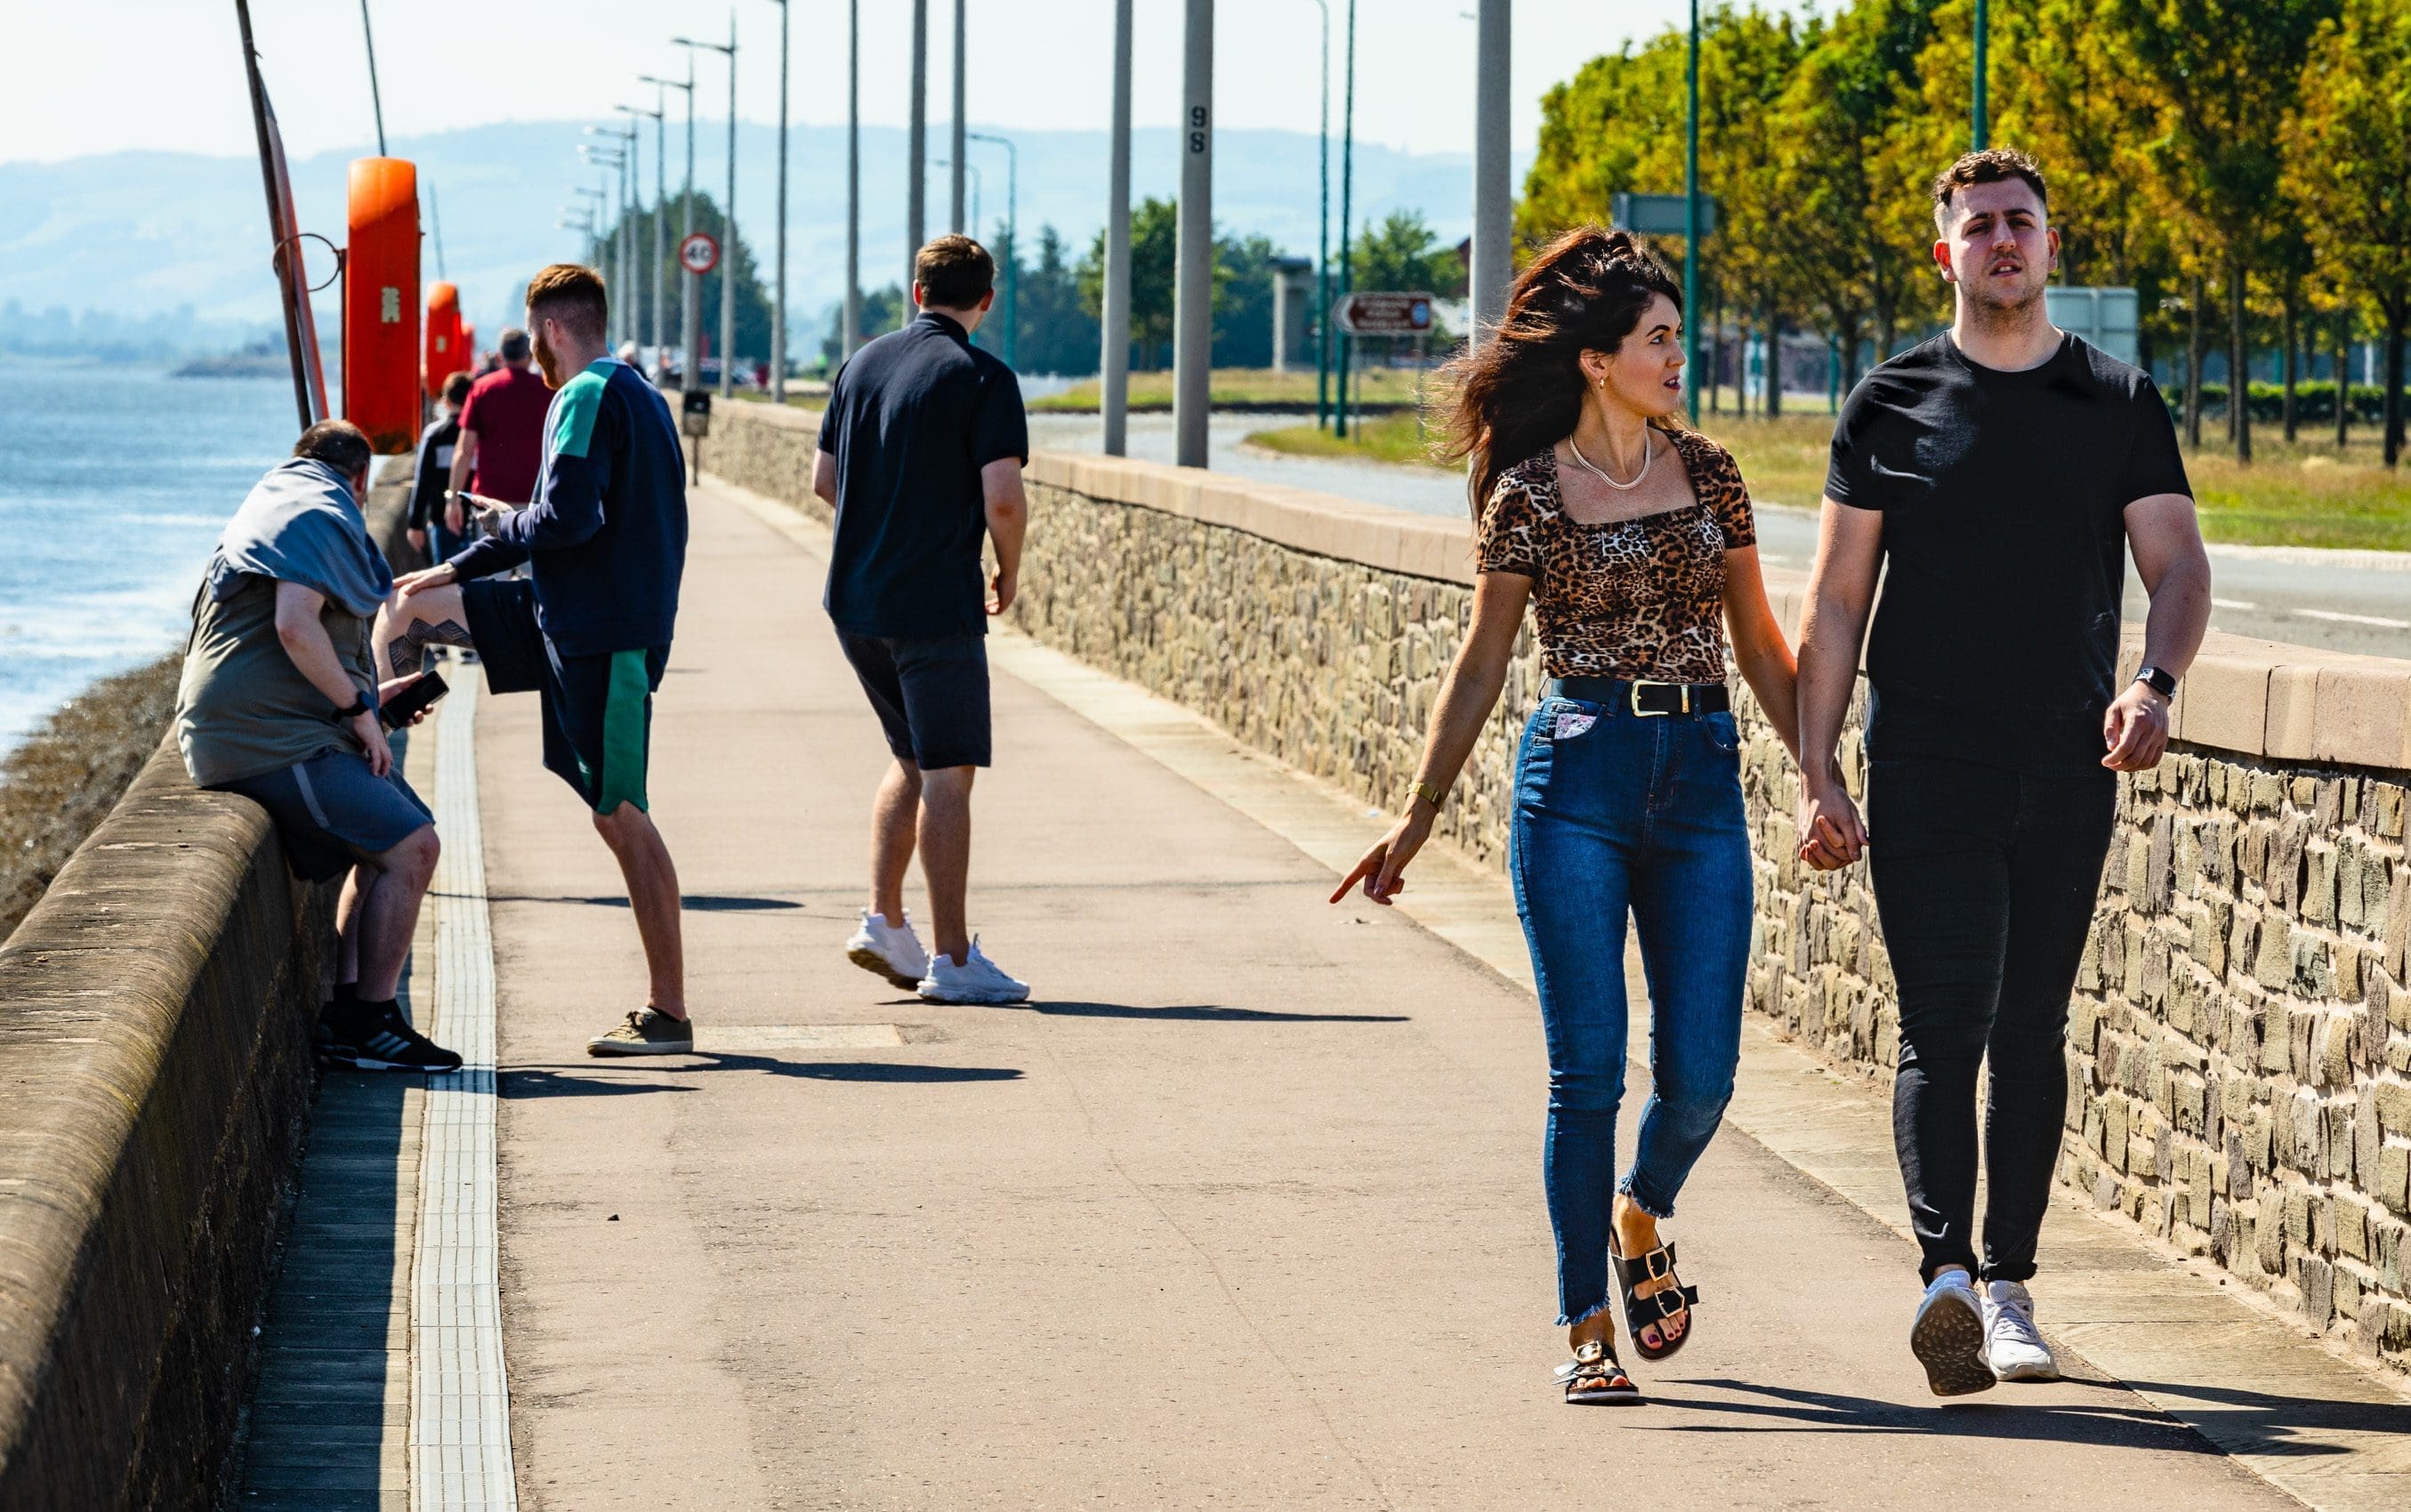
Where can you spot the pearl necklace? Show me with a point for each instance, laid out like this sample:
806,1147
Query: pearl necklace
1649,453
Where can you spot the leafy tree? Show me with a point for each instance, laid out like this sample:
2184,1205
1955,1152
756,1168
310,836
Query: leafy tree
1057,333
2230,70
1154,236
1404,252
737,265
883,310
2348,166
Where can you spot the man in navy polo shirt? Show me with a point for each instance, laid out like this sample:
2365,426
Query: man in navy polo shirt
921,453
588,629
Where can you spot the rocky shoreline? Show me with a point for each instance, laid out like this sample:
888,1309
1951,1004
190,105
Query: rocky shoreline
70,772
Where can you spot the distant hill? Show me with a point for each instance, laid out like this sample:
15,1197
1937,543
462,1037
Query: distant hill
138,233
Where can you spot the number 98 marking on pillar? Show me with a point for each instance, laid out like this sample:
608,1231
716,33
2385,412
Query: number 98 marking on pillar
1197,129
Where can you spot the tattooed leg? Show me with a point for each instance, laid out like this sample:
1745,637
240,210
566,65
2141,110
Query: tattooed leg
405,628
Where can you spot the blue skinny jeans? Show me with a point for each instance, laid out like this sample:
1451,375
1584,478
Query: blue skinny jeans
1628,812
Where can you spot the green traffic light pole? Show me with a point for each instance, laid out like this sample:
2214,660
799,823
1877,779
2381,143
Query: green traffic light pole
1982,123
1323,244
1691,225
1347,189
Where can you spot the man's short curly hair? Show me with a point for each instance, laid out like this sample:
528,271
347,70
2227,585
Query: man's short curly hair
1991,165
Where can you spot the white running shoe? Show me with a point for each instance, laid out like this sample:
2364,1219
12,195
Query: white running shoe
1948,1337
891,950
2013,1346
977,981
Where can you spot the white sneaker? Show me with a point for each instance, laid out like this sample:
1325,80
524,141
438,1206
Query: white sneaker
1948,1337
2013,1346
891,950
977,981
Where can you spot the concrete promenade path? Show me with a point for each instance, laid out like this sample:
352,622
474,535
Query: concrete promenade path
1243,1211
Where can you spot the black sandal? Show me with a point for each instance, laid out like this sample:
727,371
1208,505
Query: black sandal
1595,1378
1656,1309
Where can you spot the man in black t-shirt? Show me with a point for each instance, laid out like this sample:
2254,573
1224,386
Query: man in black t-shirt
921,453
1997,476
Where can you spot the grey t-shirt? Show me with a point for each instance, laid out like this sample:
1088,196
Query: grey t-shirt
243,707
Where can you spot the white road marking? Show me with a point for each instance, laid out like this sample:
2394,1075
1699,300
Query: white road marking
2337,617
2233,603
461,1404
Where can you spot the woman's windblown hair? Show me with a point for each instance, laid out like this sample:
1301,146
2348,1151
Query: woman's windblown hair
1520,391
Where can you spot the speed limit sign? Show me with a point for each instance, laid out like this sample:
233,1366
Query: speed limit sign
698,253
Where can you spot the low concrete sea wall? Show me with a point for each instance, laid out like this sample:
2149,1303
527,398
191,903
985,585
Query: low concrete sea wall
2239,1039
154,1051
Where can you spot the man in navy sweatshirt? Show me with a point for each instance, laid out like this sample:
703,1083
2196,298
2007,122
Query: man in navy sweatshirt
588,629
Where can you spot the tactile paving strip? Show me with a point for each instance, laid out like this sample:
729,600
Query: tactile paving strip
460,1409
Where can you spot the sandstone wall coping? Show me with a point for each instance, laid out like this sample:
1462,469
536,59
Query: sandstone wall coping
2247,696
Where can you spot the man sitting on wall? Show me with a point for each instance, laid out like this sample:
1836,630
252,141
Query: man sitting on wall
279,703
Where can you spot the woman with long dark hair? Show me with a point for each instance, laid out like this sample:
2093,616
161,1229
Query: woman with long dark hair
1632,538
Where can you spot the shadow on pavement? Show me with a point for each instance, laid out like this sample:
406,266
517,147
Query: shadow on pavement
1200,1013
705,903
559,1082
2259,1422
1997,1413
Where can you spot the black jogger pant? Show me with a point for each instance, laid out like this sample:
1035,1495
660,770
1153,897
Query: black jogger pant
1985,880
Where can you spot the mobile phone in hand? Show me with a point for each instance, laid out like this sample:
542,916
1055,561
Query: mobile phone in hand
407,704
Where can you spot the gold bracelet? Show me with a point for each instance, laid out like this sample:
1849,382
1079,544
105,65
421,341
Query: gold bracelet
1425,790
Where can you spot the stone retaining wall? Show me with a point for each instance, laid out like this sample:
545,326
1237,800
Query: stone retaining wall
2240,1040
154,1074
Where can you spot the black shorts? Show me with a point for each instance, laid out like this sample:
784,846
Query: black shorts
331,810
931,695
598,710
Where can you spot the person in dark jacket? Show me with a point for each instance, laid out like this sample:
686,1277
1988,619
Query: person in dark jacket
604,539
431,477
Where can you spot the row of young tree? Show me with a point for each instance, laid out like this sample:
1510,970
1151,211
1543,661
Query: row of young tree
1061,299
2246,167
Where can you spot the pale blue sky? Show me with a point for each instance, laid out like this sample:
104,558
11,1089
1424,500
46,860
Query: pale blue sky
96,76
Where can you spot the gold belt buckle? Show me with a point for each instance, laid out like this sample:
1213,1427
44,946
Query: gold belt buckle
1640,713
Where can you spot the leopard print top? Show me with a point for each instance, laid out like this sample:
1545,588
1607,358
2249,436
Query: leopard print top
1637,599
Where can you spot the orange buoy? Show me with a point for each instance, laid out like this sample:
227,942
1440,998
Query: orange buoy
468,347
448,350
381,312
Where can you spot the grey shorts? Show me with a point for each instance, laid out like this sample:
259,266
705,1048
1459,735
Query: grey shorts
331,810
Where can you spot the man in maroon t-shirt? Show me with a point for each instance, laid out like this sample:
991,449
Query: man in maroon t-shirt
501,432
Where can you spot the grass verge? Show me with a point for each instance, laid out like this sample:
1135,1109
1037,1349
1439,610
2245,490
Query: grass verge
2299,495
1244,385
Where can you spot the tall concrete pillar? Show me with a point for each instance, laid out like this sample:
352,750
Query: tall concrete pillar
850,328
955,198
1494,200
1113,361
1193,325
918,150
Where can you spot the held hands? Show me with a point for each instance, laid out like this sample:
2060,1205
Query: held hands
1830,833
371,734
2136,729
1384,868
419,582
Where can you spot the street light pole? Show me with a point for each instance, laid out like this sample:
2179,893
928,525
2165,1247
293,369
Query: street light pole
1011,240
690,295
617,163
1113,368
1323,242
916,151
727,215
1192,325
955,202
1340,363
850,328
1982,123
1494,201
659,115
778,301
1691,223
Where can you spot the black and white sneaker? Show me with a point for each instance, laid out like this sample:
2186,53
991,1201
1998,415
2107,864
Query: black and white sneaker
374,1037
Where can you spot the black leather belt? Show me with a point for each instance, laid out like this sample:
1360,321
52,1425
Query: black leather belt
1647,700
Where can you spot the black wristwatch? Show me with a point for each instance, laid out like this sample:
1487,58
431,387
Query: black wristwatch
2158,681
358,706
